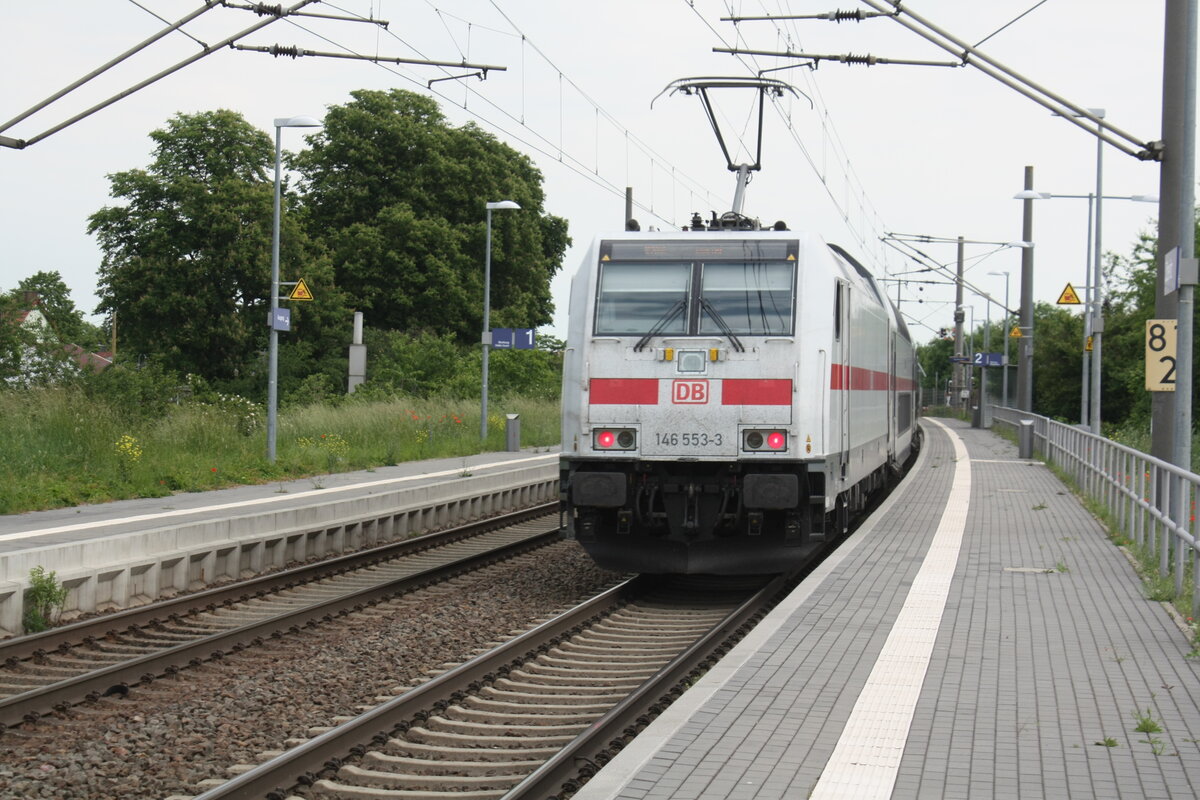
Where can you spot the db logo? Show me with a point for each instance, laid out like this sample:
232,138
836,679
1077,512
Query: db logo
689,392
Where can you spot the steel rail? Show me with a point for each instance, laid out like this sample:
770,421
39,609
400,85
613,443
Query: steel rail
38,644
326,753
596,746
301,764
29,705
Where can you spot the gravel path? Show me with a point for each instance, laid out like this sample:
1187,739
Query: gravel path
165,738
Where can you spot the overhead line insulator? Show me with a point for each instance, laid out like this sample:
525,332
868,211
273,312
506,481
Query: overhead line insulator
841,16
868,59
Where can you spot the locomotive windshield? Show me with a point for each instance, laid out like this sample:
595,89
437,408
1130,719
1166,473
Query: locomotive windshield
660,293
634,297
751,298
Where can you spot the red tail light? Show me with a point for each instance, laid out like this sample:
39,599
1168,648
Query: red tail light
761,441
614,439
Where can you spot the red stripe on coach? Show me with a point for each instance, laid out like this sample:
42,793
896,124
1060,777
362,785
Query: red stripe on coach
860,379
623,391
756,392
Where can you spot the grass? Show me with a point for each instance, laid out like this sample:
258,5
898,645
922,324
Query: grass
1146,723
62,449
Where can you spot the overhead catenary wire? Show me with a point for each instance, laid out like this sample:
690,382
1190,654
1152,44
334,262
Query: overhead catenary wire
1079,116
20,144
637,141
61,93
552,149
1013,21
547,147
288,51
968,55
166,21
830,140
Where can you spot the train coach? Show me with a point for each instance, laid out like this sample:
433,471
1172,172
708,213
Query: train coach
731,397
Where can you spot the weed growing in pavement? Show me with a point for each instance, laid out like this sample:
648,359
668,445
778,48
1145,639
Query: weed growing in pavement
1194,627
1157,746
1108,742
1061,566
1160,588
1146,722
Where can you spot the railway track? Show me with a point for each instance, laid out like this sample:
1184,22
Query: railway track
64,666
520,720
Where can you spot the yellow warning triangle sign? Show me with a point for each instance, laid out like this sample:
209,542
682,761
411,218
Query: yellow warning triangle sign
301,291
1015,334
1068,297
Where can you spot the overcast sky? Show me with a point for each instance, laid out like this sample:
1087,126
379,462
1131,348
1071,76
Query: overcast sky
928,151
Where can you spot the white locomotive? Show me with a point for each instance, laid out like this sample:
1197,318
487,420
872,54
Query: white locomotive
731,396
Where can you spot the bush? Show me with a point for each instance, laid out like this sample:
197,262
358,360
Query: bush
426,365
44,600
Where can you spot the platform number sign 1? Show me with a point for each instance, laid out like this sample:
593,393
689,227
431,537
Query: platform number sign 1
1160,355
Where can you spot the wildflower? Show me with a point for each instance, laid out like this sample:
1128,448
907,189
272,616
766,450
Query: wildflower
127,448
214,469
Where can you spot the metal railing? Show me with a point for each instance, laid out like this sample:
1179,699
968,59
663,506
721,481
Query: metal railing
1152,502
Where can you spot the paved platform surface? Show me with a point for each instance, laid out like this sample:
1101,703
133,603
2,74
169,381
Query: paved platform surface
77,523
980,638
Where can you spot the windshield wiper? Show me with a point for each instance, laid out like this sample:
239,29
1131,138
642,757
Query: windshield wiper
722,324
666,318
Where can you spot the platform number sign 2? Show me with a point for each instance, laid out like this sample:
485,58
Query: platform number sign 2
1160,355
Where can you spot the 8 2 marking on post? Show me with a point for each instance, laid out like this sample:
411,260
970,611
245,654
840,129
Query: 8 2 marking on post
1160,355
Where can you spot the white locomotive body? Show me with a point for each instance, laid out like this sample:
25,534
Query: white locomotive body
730,397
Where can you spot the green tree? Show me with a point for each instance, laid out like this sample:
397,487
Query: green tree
15,339
30,354
934,358
187,256
397,195
1129,304
1057,362
56,303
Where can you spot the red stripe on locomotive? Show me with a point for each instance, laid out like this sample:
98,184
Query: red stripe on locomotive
756,392
623,391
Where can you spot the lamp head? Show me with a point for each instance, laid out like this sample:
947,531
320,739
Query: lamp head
1030,194
301,121
506,204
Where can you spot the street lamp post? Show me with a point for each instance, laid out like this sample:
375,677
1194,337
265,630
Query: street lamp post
1004,331
487,310
273,348
1097,313
1025,347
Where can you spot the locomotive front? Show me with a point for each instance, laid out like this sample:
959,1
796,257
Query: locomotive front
692,424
